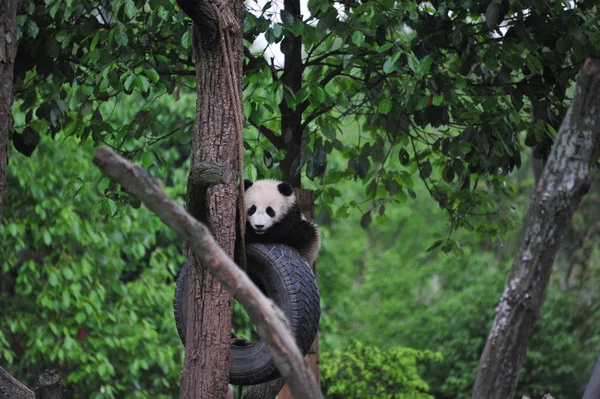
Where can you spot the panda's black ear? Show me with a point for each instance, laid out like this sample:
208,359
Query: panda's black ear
247,184
285,189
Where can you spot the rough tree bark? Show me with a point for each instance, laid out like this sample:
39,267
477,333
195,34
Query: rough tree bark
564,182
49,386
206,366
8,51
11,388
271,323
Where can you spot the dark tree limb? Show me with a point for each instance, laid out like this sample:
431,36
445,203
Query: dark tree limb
11,388
291,118
270,322
563,183
316,113
276,140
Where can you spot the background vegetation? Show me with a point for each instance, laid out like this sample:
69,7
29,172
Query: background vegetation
87,275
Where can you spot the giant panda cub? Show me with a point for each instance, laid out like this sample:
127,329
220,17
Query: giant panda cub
274,216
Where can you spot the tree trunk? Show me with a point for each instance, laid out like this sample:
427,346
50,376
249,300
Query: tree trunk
8,51
564,182
291,119
206,366
592,390
50,385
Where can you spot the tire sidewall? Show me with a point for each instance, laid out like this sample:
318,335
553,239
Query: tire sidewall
281,273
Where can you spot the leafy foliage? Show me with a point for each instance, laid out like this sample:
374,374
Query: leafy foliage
389,94
75,58
86,286
454,91
447,92
360,371
384,289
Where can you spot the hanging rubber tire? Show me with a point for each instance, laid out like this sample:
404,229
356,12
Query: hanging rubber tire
282,275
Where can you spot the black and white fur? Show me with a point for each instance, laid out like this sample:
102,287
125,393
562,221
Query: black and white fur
274,216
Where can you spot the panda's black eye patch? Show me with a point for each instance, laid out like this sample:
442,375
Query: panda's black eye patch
251,210
270,212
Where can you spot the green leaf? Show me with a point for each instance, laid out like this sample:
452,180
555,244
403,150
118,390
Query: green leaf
66,299
80,317
385,106
319,94
287,18
434,245
492,15
121,35
413,63
563,45
404,157
274,33
333,177
46,237
425,170
53,280
161,58
425,65
129,9
68,273
186,39
385,47
142,83
534,63
358,38
152,74
31,28
147,159
128,85
365,220
390,63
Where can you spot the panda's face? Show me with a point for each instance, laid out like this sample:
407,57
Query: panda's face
267,202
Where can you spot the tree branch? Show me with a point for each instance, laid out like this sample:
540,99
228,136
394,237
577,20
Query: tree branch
270,322
180,72
315,114
11,388
322,56
276,140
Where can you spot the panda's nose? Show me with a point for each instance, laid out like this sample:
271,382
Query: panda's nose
259,226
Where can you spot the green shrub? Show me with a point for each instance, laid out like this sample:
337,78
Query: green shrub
85,286
361,371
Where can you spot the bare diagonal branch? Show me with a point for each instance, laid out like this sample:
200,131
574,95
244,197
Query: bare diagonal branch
11,388
276,140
